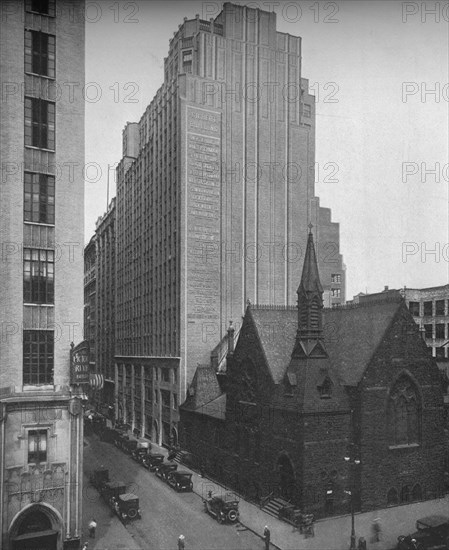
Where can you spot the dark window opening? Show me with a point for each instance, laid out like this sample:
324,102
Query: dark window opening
39,123
417,492
439,307
439,331
37,446
38,356
40,50
428,331
39,199
44,7
414,308
38,276
404,413
325,389
428,308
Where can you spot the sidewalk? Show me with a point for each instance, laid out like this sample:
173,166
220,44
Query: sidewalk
111,534
330,533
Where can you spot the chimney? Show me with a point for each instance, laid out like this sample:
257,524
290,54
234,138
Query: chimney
230,339
386,288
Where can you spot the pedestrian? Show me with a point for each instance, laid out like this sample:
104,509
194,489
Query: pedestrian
181,542
85,546
376,530
362,544
92,526
266,537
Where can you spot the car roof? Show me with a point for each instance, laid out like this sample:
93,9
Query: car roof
115,484
434,521
128,496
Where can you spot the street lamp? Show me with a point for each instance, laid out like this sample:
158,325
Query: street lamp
352,458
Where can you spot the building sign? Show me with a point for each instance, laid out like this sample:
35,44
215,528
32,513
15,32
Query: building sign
79,364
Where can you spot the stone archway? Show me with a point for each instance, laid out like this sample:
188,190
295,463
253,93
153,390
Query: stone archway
37,527
287,481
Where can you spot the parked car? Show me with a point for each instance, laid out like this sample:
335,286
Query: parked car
98,478
126,506
432,532
142,449
112,490
130,445
152,461
223,507
166,468
180,480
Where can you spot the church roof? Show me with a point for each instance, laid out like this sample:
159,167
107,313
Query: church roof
203,389
310,278
351,335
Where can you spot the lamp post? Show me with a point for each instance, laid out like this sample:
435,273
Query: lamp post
352,458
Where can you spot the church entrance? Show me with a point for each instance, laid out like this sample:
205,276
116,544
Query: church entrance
286,478
35,532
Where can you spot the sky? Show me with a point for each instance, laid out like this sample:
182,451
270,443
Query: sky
380,74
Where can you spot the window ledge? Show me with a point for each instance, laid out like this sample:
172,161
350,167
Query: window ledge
52,78
43,387
406,446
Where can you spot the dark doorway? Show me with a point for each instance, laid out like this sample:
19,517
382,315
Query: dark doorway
35,532
286,478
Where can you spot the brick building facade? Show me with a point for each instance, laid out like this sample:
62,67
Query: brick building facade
306,387
41,272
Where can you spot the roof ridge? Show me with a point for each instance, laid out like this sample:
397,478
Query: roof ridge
368,303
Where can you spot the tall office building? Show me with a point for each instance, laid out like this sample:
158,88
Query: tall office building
41,272
215,194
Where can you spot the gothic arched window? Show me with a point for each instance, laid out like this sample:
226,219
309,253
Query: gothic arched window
404,413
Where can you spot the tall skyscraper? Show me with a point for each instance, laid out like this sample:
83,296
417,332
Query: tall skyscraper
41,272
214,197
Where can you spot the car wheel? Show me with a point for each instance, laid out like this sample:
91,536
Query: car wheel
232,515
132,513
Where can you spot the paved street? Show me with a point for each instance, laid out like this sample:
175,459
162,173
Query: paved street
165,513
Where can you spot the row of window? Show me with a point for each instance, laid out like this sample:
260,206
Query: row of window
439,331
43,7
428,308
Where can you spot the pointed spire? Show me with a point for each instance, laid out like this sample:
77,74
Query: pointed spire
310,302
310,279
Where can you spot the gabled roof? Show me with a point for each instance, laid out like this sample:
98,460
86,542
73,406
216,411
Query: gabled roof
203,389
351,335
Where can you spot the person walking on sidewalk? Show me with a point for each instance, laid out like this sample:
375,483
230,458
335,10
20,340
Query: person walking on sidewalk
266,537
181,542
85,546
92,527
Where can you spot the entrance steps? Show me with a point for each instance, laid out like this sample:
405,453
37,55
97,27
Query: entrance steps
274,505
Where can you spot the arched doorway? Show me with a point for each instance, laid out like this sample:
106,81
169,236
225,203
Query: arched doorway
286,477
155,435
174,437
38,527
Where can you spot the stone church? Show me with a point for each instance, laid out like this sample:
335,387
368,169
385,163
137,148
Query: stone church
320,404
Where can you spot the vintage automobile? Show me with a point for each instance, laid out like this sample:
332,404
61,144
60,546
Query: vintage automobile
98,478
166,468
180,480
142,449
432,533
112,490
223,508
152,461
130,445
126,506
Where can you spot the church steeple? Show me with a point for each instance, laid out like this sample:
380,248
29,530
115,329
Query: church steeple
310,298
